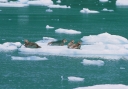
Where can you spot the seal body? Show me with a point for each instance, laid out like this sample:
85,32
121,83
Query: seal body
70,43
76,46
58,43
31,44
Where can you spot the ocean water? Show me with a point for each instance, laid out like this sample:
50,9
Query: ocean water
27,72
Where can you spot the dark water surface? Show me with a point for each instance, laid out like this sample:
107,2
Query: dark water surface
17,24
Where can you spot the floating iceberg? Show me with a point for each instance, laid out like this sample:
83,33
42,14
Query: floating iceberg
75,79
93,62
28,58
122,2
67,31
86,10
105,86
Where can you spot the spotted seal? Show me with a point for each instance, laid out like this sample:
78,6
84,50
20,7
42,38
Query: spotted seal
31,44
75,46
58,43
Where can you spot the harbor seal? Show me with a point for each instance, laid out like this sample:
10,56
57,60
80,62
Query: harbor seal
70,43
31,44
58,43
76,46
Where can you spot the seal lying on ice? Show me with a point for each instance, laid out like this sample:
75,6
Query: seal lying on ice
70,43
31,44
58,43
75,46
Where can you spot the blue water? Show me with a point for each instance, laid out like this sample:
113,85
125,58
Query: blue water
17,24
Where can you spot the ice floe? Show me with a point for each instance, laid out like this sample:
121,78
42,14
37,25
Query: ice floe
122,2
103,45
105,9
13,4
105,86
9,46
58,1
49,27
49,10
86,10
103,0
104,38
28,58
93,62
41,2
58,6
75,79
67,31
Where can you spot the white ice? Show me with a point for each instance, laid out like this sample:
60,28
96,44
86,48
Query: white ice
93,62
49,27
105,38
103,0
58,6
86,10
75,79
67,31
49,10
41,2
9,46
105,86
28,58
122,2
13,4
105,9
103,45
58,1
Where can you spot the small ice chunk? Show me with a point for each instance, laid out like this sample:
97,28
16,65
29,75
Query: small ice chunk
93,62
75,79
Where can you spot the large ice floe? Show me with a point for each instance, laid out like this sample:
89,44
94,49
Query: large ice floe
86,10
122,2
103,45
105,86
67,31
75,79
